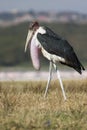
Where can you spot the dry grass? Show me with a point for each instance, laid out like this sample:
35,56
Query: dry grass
22,106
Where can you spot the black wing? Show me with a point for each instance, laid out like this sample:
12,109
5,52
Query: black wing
54,44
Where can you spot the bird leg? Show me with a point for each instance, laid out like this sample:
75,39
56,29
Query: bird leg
61,84
49,78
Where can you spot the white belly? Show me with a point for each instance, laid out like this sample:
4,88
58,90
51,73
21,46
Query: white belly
52,57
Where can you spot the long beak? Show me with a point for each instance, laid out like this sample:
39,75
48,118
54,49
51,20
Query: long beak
28,39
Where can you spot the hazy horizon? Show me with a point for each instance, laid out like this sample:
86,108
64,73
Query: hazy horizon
46,5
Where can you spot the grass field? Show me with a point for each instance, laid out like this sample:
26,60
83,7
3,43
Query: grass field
23,107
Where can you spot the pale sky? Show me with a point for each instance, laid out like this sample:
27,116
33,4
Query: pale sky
44,5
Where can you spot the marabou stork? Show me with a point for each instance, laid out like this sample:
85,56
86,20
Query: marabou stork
54,48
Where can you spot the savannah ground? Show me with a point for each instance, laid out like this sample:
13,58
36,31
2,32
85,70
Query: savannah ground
23,107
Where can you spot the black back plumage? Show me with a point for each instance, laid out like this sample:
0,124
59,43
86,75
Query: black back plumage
54,44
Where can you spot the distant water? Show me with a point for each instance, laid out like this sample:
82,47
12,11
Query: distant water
32,75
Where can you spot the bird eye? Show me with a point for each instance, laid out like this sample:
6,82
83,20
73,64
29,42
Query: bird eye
33,25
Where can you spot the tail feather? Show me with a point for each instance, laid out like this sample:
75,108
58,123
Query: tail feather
82,67
77,65
79,68
73,61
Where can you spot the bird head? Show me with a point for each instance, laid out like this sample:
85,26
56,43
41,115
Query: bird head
32,28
